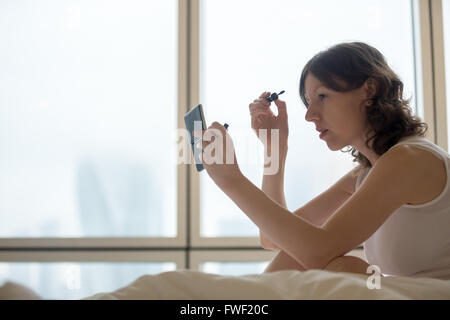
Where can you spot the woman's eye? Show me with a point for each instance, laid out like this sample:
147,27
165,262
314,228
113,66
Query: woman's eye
321,96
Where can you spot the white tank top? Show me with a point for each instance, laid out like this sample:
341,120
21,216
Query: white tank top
415,239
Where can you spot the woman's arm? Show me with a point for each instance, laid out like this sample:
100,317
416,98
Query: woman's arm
273,186
389,185
296,236
317,210
263,118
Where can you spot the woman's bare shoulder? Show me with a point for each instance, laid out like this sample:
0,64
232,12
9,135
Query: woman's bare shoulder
432,172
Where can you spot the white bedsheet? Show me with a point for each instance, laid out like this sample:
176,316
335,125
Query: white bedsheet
286,284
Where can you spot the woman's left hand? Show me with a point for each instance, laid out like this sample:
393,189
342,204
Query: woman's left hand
218,157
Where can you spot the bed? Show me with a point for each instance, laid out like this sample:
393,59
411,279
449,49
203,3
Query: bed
279,285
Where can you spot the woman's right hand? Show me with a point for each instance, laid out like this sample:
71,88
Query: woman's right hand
263,118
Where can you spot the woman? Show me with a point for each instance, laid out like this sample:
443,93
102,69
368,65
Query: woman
395,202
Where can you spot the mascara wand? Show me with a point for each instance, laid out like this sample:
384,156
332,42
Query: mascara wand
274,96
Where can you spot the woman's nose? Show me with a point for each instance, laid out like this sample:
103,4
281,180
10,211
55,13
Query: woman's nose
311,113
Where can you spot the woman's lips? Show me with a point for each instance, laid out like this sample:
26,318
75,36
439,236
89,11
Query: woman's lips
323,133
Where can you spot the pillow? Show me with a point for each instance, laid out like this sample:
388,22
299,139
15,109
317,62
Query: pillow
15,291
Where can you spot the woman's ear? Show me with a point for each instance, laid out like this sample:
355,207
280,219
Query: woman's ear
370,87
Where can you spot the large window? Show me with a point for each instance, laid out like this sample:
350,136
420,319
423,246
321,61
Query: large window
266,51
87,105
93,93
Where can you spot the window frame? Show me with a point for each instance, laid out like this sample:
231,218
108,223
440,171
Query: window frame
430,57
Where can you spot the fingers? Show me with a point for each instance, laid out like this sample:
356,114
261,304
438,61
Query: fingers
205,137
262,101
281,105
260,106
264,95
256,110
218,126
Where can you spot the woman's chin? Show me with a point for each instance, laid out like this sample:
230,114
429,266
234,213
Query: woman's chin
333,146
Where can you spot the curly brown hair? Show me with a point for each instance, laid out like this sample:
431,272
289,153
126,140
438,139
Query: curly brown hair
346,66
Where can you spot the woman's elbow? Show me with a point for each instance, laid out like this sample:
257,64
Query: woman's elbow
269,245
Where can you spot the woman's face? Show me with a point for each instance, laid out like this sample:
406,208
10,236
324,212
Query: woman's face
341,113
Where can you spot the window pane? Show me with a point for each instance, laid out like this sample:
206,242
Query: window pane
78,280
446,20
86,104
264,49
234,268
